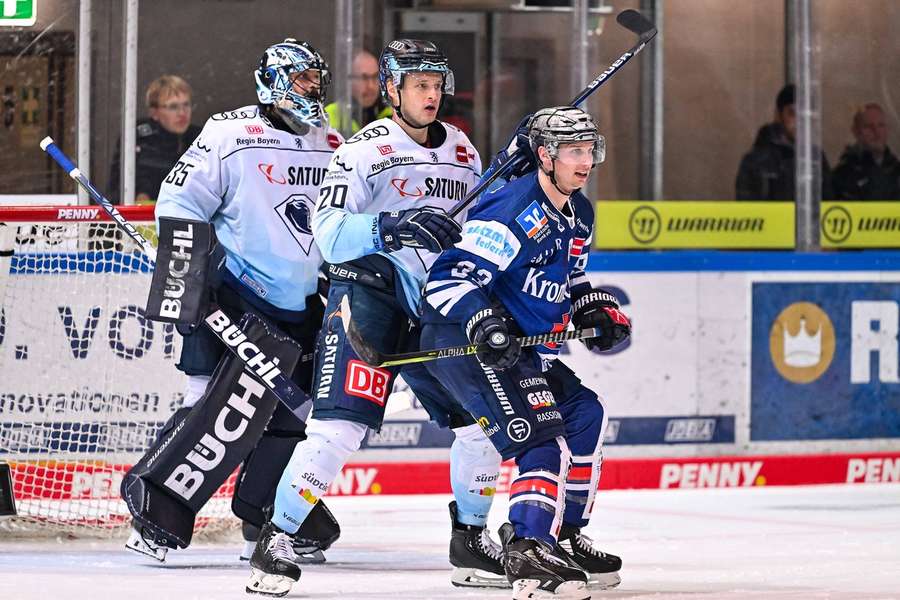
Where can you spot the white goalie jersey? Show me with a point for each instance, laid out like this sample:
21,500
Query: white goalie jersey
257,185
382,169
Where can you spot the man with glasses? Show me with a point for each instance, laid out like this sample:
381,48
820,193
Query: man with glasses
161,139
368,105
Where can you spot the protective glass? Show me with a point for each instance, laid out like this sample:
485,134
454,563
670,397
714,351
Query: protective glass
577,154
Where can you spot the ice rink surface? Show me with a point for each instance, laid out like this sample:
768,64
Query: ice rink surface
840,542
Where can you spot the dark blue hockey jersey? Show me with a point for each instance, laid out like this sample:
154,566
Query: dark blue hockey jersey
518,249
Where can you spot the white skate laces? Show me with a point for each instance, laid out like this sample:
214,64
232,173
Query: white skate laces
584,543
280,547
491,548
547,555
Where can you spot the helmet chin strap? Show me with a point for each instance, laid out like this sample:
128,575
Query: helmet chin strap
552,175
400,113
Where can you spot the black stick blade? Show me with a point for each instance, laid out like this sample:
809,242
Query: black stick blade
367,353
635,22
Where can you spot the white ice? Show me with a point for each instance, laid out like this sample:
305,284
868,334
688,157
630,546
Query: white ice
837,542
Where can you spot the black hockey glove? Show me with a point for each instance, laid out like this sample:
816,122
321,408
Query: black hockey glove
488,327
428,228
524,162
599,308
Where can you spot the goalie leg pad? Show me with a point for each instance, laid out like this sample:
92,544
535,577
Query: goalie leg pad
171,483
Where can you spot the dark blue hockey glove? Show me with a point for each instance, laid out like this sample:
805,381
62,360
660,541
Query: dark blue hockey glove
487,327
524,161
427,228
599,308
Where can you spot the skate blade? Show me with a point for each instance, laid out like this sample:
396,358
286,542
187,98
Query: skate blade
603,581
309,557
247,552
477,578
268,584
137,544
527,589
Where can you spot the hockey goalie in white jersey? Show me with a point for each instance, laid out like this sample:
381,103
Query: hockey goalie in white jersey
253,175
381,221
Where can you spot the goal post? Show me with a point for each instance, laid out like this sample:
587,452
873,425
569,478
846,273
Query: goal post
86,380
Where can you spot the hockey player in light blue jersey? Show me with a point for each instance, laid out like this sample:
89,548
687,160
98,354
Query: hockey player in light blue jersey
519,270
254,174
380,222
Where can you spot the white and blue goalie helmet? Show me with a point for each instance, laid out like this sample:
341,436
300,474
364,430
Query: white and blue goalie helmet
279,66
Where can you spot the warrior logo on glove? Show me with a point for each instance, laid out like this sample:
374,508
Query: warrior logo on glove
599,308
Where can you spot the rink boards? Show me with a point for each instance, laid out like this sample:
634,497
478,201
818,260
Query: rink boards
758,363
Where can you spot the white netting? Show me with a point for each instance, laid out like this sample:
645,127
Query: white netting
85,379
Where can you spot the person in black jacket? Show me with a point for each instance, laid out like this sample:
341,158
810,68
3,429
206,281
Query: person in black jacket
767,171
868,170
161,139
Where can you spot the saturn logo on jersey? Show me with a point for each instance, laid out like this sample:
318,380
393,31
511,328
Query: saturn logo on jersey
400,186
533,221
267,170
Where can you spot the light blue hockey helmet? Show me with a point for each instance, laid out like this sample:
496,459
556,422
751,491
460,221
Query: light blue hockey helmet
278,68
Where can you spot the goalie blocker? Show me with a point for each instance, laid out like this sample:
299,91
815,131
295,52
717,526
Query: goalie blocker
189,261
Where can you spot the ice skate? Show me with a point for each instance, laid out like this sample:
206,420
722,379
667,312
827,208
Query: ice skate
474,556
273,565
536,573
601,568
145,544
308,552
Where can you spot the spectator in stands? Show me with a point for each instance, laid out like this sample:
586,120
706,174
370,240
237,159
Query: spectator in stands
767,171
367,103
161,139
868,170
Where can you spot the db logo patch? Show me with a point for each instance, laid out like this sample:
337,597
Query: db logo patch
334,141
254,129
518,430
367,382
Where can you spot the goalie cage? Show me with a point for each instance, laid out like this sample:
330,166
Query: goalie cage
85,379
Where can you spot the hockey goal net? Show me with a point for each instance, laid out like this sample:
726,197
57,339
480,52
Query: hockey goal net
85,379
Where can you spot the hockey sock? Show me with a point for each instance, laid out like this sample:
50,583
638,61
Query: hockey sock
474,469
314,464
536,494
585,426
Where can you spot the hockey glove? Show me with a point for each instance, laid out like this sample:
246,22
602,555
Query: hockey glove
488,327
523,162
427,228
599,308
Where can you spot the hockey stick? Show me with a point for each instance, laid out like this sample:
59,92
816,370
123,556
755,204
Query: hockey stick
373,357
631,20
261,368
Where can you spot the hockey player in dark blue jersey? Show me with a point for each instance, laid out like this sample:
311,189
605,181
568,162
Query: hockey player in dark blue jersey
519,269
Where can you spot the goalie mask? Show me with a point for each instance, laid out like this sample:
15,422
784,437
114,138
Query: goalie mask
405,56
294,78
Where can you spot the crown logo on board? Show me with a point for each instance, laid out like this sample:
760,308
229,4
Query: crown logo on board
802,350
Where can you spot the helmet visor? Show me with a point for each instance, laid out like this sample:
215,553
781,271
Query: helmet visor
579,153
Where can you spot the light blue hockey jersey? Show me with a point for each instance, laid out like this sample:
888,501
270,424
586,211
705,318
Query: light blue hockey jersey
257,185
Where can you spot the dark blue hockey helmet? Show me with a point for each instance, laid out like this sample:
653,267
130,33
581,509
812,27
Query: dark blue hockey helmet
413,56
